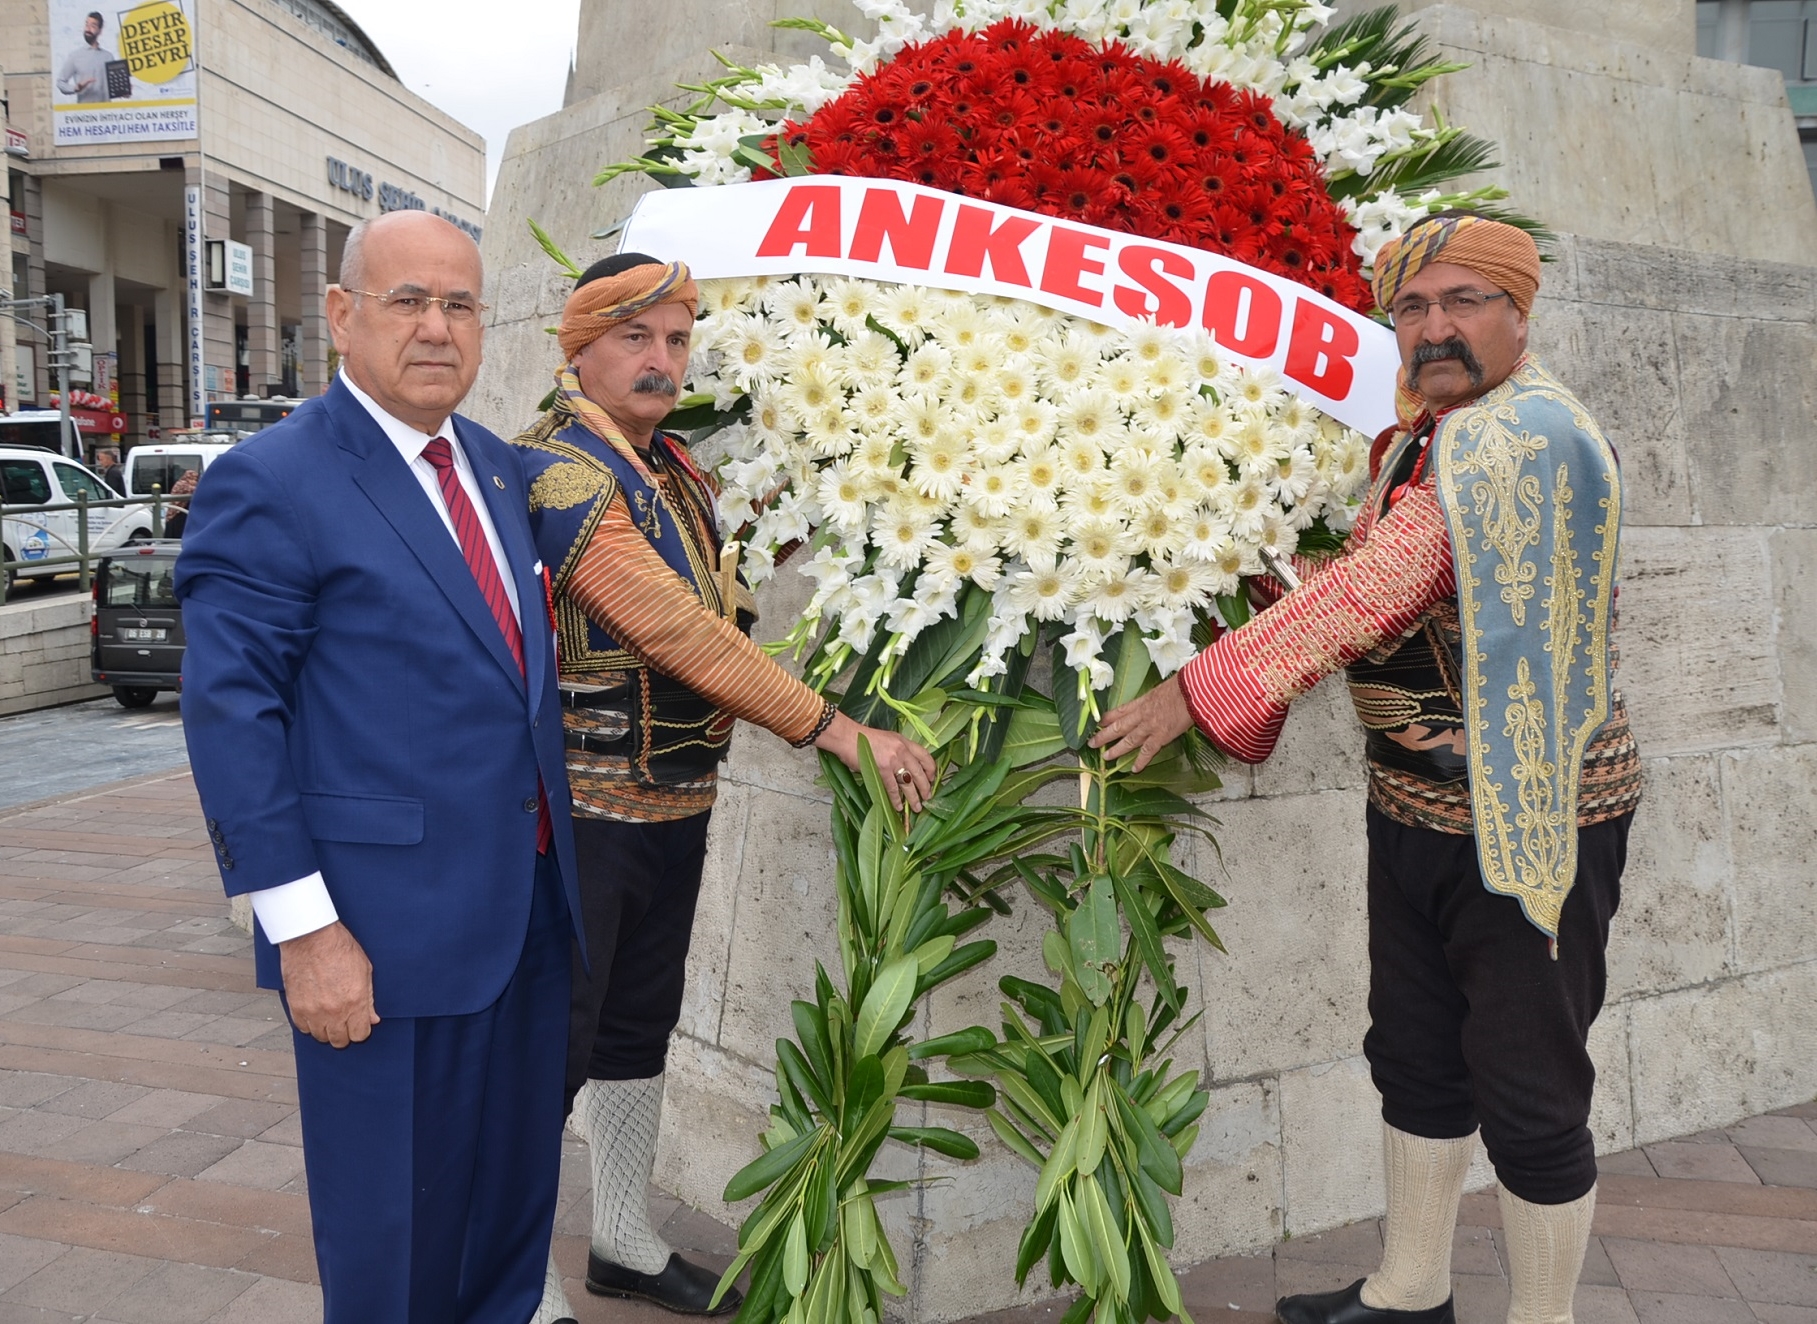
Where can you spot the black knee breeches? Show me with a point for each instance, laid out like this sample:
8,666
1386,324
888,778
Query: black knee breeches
1472,1021
638,886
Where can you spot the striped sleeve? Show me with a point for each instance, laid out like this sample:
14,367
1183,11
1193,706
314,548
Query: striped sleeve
1238,689
633,594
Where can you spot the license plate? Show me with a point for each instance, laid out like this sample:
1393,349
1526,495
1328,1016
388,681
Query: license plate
134,634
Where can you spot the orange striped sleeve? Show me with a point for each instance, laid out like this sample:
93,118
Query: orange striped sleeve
649,609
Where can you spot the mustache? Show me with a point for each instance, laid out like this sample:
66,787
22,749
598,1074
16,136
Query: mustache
1454,348
653,383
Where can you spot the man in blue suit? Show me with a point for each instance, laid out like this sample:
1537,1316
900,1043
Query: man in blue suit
374,727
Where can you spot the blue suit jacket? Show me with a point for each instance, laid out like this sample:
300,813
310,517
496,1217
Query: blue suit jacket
351,705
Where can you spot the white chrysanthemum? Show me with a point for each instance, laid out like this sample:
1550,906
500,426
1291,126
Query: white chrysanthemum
726,296
939,467
1033,423
844,496
1121,378
846,303
871,357
1044,591
1080,458
904,311
962,562
903,534
1136,476
1258,447
927,369
1092,498
1033,533
1206,532
1014,380
962,324
1065,361
751,349
1114,597
803,395
977,532
1249,506
1148,344
1100,545
992,490
1204,470
1090,415
1018,327
1161,415
971,393
1041,473
872,409
1294,475
794,303
996,441
1157,531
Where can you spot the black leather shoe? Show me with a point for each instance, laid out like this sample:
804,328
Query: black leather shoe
682,1287
1346,1307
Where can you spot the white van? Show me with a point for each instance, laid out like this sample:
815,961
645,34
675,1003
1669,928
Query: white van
31,477
160,466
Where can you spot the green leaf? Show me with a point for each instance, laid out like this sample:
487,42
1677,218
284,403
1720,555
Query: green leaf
820,1210
885,1005
1106,1236
973,1039
961,1093
549,246
1093,1128
1033,1246
962,959
802,1077
1033,735
810,1028
766,1168
1133,668
795,1257
1166,1285
1009,1135
1152,1204
1060,1164
941,1139
1092,932
1154,1155
1148,944
1076,1247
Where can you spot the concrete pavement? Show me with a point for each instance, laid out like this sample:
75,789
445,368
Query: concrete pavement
151,1165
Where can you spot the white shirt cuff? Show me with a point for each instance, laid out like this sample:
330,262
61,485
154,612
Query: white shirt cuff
292,909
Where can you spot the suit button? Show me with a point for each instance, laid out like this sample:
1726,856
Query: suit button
532,805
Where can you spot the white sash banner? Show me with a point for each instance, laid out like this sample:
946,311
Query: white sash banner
1337,360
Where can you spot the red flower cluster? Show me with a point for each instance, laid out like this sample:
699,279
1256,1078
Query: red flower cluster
1048,122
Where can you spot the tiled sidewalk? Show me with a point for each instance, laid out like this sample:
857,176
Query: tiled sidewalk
151,1169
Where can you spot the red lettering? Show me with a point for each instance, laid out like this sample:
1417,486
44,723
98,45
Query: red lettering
911,237
1320,350
1145,265
1243,314
974,240
809,216
1066,262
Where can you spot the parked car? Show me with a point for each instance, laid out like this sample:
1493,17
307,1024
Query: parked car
138,627
29,478
42,428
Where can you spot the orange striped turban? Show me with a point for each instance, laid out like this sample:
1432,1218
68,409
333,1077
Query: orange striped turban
616,290
1502,254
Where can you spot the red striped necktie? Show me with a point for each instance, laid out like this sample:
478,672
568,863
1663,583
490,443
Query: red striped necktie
471,535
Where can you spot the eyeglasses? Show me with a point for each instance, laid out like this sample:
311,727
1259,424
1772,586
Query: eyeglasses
410,305
1459,306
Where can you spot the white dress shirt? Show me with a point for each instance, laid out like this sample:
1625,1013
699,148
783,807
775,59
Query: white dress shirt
292,909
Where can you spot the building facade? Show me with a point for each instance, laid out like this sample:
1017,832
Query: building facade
296,128
1774,34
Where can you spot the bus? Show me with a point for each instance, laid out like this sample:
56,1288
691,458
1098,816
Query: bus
247,415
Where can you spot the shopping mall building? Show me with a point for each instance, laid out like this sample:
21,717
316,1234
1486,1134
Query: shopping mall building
186,172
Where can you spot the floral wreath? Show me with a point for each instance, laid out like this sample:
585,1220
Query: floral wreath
970,477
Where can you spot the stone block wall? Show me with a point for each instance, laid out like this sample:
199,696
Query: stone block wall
44,652
1682,306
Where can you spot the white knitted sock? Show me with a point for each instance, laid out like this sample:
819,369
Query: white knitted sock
1425,1182
555,1300
621,1125
1546,1244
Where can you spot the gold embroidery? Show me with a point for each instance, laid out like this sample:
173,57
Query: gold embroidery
564,486
1533,855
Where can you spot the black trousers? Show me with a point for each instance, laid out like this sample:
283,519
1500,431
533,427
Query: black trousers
1471,1020
639,883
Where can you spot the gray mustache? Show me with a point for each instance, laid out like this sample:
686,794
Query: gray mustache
653,383
1454,348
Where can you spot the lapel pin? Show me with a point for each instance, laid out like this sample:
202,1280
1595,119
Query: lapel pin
499,482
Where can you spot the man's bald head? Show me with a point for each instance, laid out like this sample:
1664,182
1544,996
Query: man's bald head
405,314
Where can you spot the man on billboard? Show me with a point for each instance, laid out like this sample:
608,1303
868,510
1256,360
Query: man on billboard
84,72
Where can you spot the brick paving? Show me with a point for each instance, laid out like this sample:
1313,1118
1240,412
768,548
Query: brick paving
151,1165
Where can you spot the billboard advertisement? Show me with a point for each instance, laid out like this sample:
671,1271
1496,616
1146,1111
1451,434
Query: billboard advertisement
122,74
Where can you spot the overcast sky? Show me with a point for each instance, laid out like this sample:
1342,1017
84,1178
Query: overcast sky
492,66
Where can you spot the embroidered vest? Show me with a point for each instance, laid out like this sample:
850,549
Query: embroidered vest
669,734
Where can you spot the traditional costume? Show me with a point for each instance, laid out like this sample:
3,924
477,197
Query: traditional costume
656,665
1473,610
